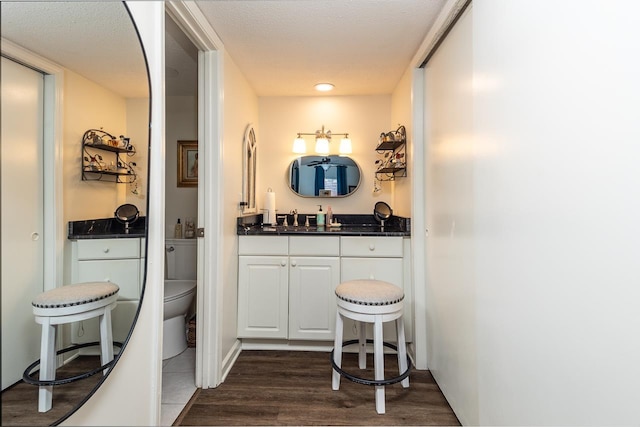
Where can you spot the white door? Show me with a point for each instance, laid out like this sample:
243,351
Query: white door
22,201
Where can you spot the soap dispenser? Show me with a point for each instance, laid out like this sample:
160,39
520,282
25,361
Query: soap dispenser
320,217
329,216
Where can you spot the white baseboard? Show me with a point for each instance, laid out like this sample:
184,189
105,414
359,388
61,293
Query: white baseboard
230,359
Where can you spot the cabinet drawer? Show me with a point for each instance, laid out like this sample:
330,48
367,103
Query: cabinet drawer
372,246
108,248
387,269
263,245
314,245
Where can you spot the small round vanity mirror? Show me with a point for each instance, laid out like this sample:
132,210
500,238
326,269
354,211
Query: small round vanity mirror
127,213
382,212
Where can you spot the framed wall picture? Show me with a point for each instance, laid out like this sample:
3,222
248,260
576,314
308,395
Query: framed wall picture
187,163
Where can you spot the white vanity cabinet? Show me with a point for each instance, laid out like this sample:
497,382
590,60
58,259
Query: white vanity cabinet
115,260
286,284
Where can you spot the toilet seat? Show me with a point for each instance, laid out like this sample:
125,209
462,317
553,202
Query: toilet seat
178,289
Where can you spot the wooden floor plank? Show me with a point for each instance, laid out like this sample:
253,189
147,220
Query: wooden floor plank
294,388
20,401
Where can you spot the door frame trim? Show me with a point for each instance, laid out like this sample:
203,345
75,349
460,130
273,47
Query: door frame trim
210,277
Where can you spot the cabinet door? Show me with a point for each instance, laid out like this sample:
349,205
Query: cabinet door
123,272
262,296
312,299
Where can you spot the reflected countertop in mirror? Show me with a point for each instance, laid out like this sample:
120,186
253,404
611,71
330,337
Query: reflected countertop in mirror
106,228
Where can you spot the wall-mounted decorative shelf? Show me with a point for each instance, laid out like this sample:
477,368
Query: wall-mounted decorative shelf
95,168
392,161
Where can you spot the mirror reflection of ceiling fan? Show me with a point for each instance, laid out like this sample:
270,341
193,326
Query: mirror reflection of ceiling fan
325,162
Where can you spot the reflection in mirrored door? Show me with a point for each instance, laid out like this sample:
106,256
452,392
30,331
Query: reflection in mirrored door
105,85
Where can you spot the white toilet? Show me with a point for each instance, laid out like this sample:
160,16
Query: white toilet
179,290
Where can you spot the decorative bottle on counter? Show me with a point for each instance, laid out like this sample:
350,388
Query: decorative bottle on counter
177,234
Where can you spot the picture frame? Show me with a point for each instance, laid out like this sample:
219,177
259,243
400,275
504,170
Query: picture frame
187,163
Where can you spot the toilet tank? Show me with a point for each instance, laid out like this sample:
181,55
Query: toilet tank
181,259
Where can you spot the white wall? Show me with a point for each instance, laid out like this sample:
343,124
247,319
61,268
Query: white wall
281,118
182,125
89,106
401,112
240,109
546,218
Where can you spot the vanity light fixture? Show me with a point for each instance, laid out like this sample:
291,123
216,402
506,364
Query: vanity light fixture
322,142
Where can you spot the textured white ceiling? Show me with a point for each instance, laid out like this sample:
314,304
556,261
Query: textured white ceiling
94,39
284,47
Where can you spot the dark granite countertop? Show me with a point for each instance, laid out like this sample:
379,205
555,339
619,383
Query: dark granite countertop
352,225
106,228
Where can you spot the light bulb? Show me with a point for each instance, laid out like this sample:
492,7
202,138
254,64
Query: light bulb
299,146
322,145
345,146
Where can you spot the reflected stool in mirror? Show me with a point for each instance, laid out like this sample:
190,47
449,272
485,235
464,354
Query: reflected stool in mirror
67,304
377,302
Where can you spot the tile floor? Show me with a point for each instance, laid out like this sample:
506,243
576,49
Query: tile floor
178,384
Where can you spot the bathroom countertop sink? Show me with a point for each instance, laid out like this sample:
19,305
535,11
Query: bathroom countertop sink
106,228
351,225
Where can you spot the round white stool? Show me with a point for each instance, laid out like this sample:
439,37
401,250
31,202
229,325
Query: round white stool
67,304
371,301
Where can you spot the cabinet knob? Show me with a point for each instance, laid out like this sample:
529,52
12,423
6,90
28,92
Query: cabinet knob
105,250
293,263
35,236
372,247
283,263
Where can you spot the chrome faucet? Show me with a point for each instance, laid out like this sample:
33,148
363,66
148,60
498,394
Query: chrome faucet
295,217
284,217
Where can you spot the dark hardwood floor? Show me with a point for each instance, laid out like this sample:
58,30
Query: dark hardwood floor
20,401
294,388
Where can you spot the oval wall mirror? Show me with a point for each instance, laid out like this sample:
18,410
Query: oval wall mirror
324,176
97,45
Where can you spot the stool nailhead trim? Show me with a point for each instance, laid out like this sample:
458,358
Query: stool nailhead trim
71,304
370,302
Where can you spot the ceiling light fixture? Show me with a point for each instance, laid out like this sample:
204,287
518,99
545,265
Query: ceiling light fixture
322,142
324,87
